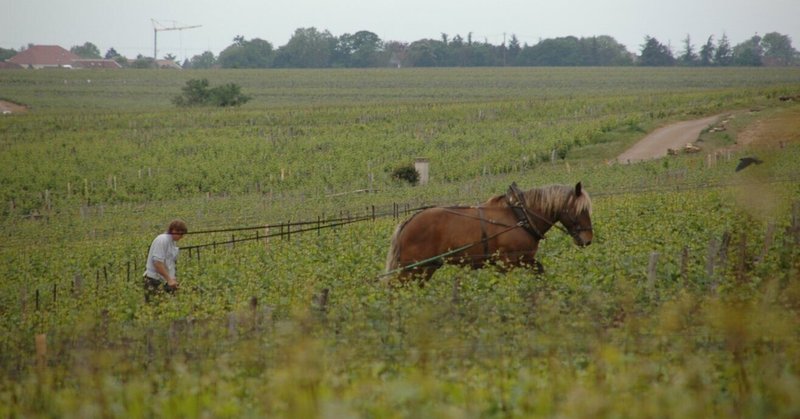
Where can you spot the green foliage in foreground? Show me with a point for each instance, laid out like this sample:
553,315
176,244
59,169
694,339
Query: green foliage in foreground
713,331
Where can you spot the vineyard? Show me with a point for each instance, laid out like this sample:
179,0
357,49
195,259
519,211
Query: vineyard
687,304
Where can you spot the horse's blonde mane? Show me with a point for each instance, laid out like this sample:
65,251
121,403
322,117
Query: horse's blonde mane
551,199
554,198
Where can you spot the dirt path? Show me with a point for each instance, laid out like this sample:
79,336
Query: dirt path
674,136
9,108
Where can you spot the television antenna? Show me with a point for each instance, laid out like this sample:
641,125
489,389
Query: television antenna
159,26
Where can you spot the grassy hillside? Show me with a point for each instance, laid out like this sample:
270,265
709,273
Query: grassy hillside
685,305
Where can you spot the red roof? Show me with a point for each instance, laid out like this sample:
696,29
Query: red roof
44,55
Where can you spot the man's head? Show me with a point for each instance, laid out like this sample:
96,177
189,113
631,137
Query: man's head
177,228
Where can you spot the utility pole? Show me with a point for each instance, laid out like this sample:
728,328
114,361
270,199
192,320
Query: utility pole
158,27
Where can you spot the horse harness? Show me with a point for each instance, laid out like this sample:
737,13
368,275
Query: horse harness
522,215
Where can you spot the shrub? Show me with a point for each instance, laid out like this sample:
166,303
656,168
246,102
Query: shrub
197,93
407,172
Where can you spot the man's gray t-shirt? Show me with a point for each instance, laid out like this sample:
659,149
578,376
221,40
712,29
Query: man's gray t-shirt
164,250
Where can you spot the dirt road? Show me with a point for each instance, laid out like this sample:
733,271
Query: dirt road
674,136
9,108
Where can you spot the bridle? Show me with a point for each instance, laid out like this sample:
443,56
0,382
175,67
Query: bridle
524,216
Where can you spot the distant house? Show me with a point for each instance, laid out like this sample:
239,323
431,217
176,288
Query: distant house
44,56
168,64
54,56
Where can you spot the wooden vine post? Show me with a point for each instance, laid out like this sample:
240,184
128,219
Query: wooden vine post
41,350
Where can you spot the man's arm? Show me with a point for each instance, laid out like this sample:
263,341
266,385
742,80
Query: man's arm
161,268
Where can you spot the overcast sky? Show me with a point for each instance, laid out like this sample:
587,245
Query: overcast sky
126,24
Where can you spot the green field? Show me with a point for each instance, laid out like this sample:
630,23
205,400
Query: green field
687,304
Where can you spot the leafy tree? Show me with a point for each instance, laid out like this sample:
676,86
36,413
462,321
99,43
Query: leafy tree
255,53
423,53
564,51
362,49
396,53
749,53
778,49
724,54
87,50
7,53
571,51
707,52
308,48
604,51
205,60
655,53
111,54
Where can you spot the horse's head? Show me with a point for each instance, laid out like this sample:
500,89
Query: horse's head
576,217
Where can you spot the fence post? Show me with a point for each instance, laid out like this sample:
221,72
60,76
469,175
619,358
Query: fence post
795,228
41,350
651,271
769,236
742,262
231,325
685,264
713,249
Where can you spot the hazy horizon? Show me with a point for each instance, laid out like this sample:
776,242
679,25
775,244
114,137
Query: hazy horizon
127,27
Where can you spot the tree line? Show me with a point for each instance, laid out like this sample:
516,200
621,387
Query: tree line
311,48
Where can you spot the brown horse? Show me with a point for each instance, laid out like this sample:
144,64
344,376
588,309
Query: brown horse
506,228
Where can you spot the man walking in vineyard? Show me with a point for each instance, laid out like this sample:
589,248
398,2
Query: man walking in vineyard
161,260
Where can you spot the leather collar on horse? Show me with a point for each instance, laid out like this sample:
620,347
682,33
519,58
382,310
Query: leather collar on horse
517,204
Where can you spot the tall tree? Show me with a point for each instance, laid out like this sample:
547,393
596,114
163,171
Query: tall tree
707,52
307,48
87,50
655,53
688,57
724,54
514,49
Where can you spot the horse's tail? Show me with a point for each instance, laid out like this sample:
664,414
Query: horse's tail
393,256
